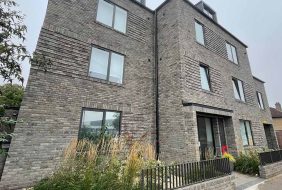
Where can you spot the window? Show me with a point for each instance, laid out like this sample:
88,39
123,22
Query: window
112,15
208,12
106,65
232,53
246,133
94,122
205,77
260,100
238,89
199,33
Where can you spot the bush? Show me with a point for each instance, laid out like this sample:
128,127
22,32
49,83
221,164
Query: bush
107,165
248,163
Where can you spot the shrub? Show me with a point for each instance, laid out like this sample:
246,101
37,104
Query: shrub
107,165
248,163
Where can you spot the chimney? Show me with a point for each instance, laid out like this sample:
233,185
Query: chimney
206,9
141,1
278,106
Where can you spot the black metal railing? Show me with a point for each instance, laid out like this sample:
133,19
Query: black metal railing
181,175
270,157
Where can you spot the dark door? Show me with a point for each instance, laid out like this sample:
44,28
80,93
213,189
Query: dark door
269,136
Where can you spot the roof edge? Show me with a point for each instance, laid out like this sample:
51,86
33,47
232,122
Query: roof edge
258,79
199,11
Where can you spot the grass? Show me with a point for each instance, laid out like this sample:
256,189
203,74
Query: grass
107,165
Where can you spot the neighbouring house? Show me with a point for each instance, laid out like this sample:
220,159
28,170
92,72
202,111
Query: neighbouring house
277,122
172,75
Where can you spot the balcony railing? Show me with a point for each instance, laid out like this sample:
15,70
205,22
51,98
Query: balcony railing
182,175
270,157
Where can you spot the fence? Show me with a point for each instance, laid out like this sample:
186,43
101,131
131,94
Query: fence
270,157
181,175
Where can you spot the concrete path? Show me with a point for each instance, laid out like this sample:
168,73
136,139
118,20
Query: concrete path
274,183
246,182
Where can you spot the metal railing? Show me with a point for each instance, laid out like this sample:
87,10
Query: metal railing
270,157
181,175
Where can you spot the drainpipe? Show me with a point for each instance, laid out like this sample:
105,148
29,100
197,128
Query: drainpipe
157,86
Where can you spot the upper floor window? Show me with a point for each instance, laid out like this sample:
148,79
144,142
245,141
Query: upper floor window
246,133
232,53
112,15
94,122
260,100
238,89
205,77
106,65
199,33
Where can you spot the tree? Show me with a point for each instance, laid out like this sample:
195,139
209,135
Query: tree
11,95
12,50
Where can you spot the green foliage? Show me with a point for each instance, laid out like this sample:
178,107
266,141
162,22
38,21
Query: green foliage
12,50
108,165
11,95
12,34
248,163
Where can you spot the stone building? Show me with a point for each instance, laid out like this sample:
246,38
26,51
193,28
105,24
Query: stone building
173,76
276,114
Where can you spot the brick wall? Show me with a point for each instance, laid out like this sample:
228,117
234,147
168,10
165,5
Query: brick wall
53,101
224,183
270,170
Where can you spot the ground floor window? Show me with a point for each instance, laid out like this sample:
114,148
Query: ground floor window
246,133
95,123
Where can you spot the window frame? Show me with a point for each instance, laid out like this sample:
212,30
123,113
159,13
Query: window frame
109,64
103,119
233,60
261,104
246,132
114,16
207,69
204,37
238,89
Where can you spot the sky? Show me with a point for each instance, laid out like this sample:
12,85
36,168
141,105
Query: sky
255,22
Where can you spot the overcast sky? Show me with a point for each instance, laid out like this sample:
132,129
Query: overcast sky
258,23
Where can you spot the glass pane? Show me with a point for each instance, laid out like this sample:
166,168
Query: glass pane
99,63
105,13
113,122
236,93
241,89
199,33
91,124
249,131
209,132
116,70
229,52
243,133
120,20
234,53
260,100
204,78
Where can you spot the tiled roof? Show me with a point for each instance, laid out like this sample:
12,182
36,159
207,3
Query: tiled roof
275,113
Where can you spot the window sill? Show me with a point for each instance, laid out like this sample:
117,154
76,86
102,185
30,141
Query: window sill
207,91
240,101
105,81
111,28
